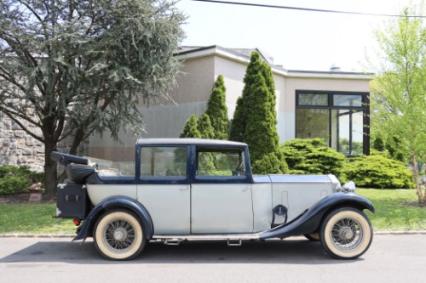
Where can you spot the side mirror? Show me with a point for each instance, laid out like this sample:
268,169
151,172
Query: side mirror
349,187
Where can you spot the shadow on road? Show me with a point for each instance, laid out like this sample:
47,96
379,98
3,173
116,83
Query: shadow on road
287,251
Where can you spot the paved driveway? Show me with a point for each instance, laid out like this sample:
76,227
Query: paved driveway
392,258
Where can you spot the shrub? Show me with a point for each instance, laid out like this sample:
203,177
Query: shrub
312,156
377,171
17,179
205,127
14,185
272,163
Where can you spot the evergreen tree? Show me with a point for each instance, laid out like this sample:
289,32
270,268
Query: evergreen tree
255,117
217,110
205,127
238,124
190,130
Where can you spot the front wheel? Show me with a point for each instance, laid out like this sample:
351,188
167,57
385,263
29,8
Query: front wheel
346,233
118,235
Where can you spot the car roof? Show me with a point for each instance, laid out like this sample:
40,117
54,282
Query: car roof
187,141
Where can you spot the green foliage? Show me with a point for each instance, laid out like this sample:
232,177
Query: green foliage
205,127
312,156
271,163
70,68
218,111
398,92
17,179
237,126
190,130
377,171
378,144
255,117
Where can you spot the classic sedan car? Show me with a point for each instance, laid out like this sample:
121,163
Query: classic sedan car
198,190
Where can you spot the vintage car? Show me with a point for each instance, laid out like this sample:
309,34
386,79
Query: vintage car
199,190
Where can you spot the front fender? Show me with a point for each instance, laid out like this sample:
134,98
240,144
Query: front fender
116,202
310,220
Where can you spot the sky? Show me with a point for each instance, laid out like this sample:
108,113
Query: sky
295,39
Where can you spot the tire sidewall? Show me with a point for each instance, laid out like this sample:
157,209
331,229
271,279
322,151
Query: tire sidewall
331,219
107,251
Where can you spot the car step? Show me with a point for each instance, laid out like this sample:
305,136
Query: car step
234,243
172,242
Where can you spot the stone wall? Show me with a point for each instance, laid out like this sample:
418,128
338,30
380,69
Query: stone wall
19,148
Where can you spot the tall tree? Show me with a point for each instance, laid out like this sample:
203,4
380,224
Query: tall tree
205,127
255,116
190,130
70,68
238,123
398,92
217,110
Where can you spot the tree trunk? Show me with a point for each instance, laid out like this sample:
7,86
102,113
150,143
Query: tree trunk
50,169
419,190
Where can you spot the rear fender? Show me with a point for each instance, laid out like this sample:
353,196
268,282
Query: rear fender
116,202
311,219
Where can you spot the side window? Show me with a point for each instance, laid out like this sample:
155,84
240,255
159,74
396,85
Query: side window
163,162
220,163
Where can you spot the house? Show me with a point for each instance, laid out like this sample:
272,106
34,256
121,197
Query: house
332,105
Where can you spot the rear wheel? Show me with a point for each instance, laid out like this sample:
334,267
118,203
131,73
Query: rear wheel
118,235
346,233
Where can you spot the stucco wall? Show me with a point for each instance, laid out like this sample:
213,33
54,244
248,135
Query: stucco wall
192,91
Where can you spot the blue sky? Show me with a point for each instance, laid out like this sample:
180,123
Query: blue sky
297,40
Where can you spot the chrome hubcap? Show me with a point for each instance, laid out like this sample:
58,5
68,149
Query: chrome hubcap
347,234
119,234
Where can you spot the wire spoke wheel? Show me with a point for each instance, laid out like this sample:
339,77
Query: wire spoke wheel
119,236
346,233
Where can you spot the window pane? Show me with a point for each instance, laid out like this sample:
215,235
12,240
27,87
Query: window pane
313,99
220,163
357,133
163,161
340,130
312,123
347,100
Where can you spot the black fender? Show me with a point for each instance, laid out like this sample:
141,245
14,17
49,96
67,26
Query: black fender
309,221
116,202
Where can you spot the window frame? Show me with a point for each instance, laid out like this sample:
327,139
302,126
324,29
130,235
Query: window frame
161,179
365,108
247,178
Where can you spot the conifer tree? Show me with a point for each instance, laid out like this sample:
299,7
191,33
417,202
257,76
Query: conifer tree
255,116
205,127
190,130
217,110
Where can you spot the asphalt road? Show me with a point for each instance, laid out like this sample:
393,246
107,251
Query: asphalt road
391,258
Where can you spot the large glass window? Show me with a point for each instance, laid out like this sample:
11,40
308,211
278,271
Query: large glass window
337,118
220,163
163,162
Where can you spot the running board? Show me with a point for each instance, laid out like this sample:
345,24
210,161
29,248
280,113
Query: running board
212,237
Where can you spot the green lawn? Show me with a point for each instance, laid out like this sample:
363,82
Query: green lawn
395,210
33,219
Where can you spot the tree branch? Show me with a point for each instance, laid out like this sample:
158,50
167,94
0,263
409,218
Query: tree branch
24,128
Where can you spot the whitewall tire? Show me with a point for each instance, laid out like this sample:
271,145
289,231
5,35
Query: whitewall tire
118,235
346,233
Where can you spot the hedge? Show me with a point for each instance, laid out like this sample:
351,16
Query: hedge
17,179
377,171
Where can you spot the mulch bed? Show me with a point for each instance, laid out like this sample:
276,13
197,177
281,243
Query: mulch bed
27,198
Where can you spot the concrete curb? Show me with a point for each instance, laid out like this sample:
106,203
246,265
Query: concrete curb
421,232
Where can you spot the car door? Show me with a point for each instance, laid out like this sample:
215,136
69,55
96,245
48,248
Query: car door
221,199
164,188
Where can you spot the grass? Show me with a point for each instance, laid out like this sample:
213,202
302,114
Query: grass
33,219
395,210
